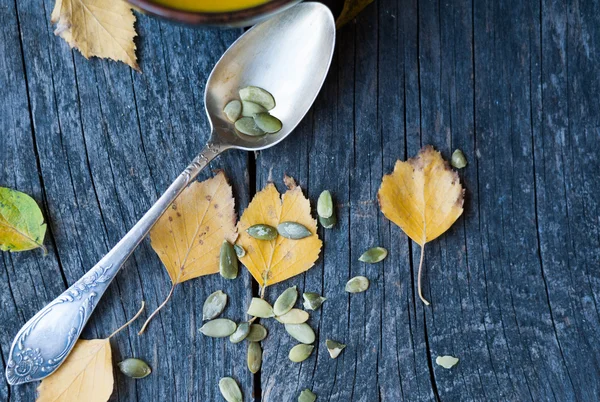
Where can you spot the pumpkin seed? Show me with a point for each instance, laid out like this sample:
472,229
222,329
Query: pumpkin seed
293,230
312,301
285,301
262,232
446,362
357,284
300,352
325,205
240,333
246,125
250,109
294,316
228,263
258,95
257,333
301,332
334,348
134,368
233,110
214,305
328,223
219,328
458,159
374,255
254,359
230,390
260,308
239,250
267,123
307,396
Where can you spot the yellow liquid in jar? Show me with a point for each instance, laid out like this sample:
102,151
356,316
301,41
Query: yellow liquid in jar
211,6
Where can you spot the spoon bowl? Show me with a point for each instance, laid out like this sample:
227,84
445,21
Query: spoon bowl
289,56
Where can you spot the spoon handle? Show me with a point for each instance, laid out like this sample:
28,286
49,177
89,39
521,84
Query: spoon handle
45,341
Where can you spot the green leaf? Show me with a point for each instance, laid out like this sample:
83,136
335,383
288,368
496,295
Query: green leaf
351,9
22,224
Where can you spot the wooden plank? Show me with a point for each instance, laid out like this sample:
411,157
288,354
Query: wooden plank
108,141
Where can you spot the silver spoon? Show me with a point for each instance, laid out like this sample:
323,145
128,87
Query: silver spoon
288,55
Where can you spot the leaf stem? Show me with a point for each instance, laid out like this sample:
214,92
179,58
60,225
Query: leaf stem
157,310
128,322
419,275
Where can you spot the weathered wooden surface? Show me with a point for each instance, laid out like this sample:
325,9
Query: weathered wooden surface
514,284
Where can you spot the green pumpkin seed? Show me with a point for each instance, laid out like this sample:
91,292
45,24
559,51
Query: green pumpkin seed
254,359
328,223
300,352
257,333
214,305
250,109
262,232
240,333
294,316
267,123
233,110
357,284
239,250
230,390
325,205
458,159
260,308
134,368
228,263
307,396
258,95
246,125
312,301
374,255
293,230
334,348
301,332
285,301
219,328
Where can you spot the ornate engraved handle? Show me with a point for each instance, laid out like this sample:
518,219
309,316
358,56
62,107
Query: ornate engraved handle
47,339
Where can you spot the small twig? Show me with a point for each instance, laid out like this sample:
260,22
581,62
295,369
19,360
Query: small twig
128,322
419,275
157,310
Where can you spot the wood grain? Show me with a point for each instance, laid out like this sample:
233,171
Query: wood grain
514,284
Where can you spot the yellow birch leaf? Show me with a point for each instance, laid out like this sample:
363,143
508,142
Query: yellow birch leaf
351,9
424,197
274,261
188,237
86,374
101,28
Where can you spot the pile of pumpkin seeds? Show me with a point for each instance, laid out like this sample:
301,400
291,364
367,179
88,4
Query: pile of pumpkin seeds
251,116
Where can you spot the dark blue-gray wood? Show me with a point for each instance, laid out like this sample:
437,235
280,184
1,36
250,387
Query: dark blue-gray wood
514,284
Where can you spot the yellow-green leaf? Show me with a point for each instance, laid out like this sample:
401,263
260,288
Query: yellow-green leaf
22,224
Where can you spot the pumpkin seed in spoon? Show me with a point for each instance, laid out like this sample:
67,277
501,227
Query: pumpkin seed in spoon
246,125
258,95
233,110
267,123
214,305
250,109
